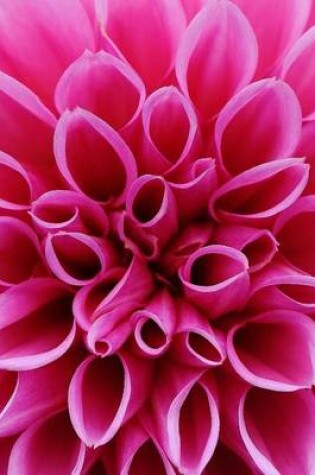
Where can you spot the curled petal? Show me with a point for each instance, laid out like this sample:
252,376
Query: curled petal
142,244
299,251
277,24
278,430
195,343
15,186
78,259
105,393
154,325
211,79
120,287
288,364
48,446
104,85
271,132
258,245
246,198
216,279
225,460
55,35
19,251
189,406
170,131
147,34
64,210
36,324
93,158
151,204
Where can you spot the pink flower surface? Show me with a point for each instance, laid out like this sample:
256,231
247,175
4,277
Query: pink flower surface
157,237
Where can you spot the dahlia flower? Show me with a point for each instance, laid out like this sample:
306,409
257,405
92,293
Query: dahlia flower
157,237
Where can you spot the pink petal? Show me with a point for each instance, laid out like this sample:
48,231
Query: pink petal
192,7
154,325
15,185
167,114
277,24
271,132
103,85
306,149
299,251
5,452
105,393
147,34
258,245
225,461
47,447
78,259
68,211
246,198
300,58
143,245
36,324
19,251
211,79
278,430
215,278
42,41
287,365
80,134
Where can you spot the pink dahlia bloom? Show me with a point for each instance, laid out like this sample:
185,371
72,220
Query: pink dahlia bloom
157,237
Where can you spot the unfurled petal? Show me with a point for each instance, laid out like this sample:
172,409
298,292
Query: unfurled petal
19,251
247,199
192,7
212,79
185,417
105,393
64,210
78,259
216,279
44,38
36,324
154,325
49,446
170,134
147,34
258,245
277,24
261,123
93,158
195,343
288,363
104,85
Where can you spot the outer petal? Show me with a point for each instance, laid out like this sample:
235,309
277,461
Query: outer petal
192,7
48,446
247,198
215,278
104,85
105,393
39,40
36,324
277,24
93,158
147,34
261,123
211,79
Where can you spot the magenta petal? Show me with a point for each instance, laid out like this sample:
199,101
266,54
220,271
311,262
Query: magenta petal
271,132
93,158
289,362
170,131
147,34
226,461
211,79
38,53
103,85
19,251
246,197
278,430
305,149
192,7
277,24
105,393
49,446
36,324
215,278
154,325
15,186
